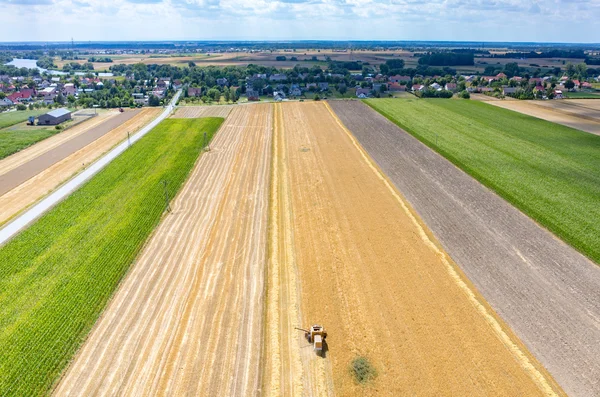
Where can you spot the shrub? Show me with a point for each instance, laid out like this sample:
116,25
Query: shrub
362,370
21,107
464,94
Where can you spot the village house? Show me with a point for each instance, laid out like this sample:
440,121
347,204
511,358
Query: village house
222,82
450,87
278,77
395,87
379,86
399,79
418,87
509,90
323,86
363,92
252,94
194,92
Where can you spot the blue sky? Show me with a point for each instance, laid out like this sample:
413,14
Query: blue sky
470,20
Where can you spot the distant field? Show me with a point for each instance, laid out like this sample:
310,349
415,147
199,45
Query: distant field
583,95
11,118
547,170
57,275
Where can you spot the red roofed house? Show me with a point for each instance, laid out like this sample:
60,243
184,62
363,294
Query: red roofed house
398,78
539,88
501,75
577,84
396,87
585,84
450,87
22,96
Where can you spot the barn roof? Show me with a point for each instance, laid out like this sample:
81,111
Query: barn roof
58,112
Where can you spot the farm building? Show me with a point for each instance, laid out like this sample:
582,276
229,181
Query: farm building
54,117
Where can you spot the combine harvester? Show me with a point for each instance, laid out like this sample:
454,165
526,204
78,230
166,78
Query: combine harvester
316,335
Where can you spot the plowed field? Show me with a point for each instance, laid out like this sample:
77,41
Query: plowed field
548,293
349,253
188,319
28,192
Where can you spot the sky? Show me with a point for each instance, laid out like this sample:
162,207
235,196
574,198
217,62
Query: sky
445,20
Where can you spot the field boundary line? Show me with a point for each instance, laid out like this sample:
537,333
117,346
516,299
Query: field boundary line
513,347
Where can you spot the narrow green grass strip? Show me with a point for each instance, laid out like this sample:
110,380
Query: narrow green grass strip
12,141
548,171
57,276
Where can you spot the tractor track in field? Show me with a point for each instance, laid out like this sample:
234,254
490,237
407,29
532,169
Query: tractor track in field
548,293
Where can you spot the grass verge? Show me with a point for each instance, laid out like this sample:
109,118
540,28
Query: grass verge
57,275
548,171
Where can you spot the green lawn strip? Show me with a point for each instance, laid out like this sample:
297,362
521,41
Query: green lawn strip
12,141
56,276
547,170
583,95
11,118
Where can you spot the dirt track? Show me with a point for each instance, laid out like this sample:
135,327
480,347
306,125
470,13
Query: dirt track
41,184
28,154
582,114
188,318
203,111
25,171
362,264
547,292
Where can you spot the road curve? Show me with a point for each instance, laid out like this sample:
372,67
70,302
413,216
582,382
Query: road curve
547,292
22,221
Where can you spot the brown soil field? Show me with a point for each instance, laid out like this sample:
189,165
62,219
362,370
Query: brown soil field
582,114
29,192
188,318
352,255
28,154
202,111
546,291
28,170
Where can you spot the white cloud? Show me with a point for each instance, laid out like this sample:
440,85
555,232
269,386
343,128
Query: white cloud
481,20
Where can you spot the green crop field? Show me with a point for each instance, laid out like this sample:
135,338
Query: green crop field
14,139
56,276
547,170
583,95
11,118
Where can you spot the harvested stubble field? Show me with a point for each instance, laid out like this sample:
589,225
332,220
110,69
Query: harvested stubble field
203,111
58,275
27,193
20,174
188,319
548,171
545,290
582,114
349,253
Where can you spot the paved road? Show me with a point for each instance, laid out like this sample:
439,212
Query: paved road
545,290
24,172
19,223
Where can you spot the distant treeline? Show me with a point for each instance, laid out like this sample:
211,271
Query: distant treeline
447,59
543,54
100,59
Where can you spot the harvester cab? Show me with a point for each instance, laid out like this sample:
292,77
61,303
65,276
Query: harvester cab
316,335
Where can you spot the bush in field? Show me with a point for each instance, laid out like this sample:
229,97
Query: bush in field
464,94
21,107
362,370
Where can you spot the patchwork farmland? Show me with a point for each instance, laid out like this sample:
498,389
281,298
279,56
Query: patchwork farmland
184,271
